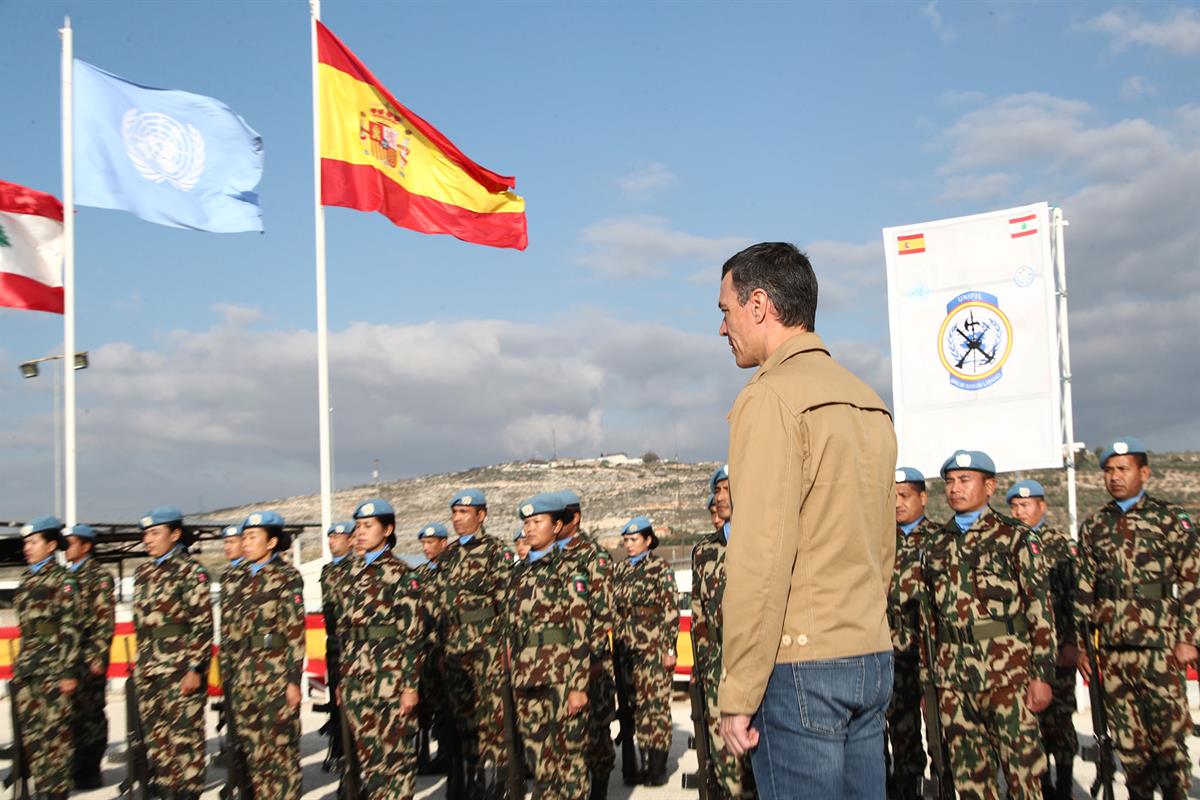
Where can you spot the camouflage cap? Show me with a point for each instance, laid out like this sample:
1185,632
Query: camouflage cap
1027,488
1122,447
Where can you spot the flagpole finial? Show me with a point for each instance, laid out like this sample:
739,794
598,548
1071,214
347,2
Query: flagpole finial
315,7
66,25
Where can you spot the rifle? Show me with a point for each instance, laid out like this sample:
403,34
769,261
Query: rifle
1106,765
331,729
237,781
703,780
514,780
137,778
941,779
350,785
20,765
629,754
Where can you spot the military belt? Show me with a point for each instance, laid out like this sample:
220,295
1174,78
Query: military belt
983,631
167,631
268,641
1137,591
474,616
40,629
363,633
546,636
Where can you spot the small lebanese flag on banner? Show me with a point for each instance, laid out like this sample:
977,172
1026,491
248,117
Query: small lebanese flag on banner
1022,226
31,249
376,155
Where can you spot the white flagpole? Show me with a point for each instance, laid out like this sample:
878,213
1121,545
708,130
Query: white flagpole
68,354
323,409
1064,351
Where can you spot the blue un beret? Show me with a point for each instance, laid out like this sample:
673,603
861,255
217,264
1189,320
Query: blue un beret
469,497
1028,488
570,498
975,460
520,535
231,530
435,530
638,524
162,515
909,475
544,503
40,524
82,531
1122,447
346,528
374,508
263,519
712,501
721,474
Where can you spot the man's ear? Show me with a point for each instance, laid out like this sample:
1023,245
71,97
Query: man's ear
760,305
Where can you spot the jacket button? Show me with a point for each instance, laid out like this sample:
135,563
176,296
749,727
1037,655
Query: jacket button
787,640
802,640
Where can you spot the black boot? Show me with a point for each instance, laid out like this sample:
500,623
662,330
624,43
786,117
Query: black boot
599,786
631,774
1064,778
1047,786
656,774
644,768
424,762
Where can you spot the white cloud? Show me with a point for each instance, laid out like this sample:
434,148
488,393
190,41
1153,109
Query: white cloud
973,188
1178,33
930,12
1136,86
647,246
646,179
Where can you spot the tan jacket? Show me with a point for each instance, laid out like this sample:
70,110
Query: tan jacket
812,470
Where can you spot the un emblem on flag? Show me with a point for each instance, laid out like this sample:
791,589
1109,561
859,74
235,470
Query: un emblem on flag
163,149
974,341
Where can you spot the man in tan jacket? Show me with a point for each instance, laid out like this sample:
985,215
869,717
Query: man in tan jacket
812,455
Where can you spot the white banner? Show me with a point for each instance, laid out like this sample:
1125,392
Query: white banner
975,355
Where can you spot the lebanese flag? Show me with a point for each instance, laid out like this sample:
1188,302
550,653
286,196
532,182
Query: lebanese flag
31,249
1022,226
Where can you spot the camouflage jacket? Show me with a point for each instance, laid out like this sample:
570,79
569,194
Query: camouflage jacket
97,606
992,620
549,620
172,613
903,598
708,590
266,628
386,621
472,587
48,612
1138,574
595,563
1060,553
334,579
646,605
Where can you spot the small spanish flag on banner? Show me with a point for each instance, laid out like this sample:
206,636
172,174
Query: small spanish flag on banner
376,155
913,243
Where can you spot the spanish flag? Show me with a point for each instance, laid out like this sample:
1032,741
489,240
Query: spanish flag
911,244
376,155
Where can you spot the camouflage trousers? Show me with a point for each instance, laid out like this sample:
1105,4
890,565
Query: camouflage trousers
45,715
89,724
382,737
554,743
475,688
269,734
1149,718
601,711
1058,727
908,759
651,684
734,777
174,727
988,732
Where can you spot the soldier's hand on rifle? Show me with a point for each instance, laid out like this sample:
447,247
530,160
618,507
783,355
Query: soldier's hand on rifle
1185,654
68,685
669,660
1085,667
408,701
1068,656
1038,696
576,702
293,696
190,682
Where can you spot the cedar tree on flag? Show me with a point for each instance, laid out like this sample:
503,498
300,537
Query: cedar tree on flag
31,249
376,155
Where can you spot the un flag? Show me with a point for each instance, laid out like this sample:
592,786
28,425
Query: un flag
169,157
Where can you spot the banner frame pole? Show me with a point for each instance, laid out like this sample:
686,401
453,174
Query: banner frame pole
1064,356
324,411
68,352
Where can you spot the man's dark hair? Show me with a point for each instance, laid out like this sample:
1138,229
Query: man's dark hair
1141,459
782,271
918,485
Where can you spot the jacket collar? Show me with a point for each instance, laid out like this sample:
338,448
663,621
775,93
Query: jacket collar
806,342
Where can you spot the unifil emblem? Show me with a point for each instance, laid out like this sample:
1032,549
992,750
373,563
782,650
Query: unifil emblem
974,341
163,149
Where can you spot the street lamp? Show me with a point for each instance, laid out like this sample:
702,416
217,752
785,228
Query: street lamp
30,369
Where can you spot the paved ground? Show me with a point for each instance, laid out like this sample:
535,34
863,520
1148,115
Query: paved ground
320,786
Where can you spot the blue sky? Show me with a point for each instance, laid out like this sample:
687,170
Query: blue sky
650,142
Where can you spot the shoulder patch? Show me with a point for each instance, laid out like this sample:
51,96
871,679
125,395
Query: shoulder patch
1034,544
68,587
602,562
579,581
1185,522
1074,550
508,555
299,598
201,576
414,584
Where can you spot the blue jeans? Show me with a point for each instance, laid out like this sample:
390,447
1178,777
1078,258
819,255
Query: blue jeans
820,729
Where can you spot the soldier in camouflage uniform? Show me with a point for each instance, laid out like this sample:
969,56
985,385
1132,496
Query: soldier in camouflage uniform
590,559
434,711
386,630
1027,502
265,640
1139,585
46,670
646,610
551,632
734,778
334,575
172,615
472,593
994,631
89,725
520,547
913,531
